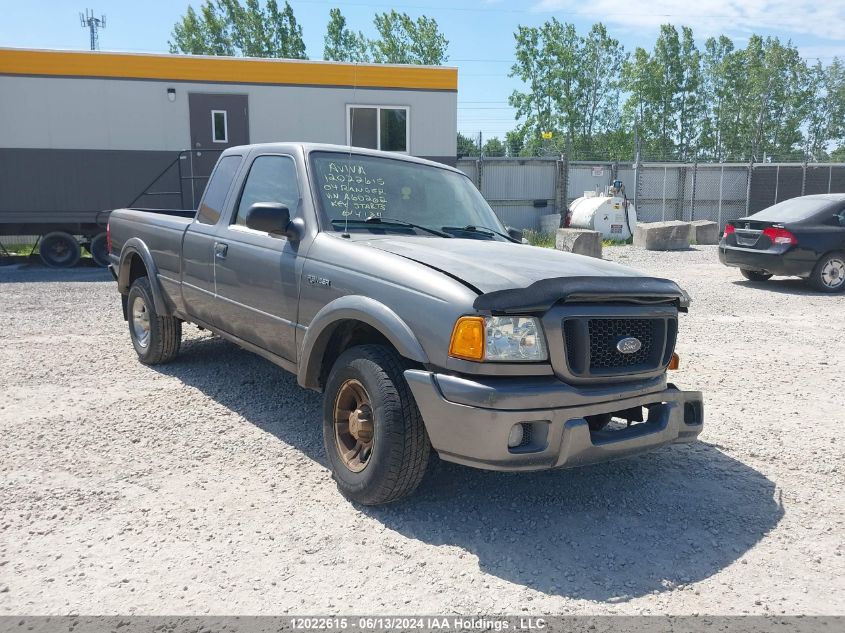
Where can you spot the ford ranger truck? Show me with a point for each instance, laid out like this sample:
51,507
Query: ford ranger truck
387,283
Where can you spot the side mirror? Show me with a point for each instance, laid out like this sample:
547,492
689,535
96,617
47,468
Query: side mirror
272,218
514,233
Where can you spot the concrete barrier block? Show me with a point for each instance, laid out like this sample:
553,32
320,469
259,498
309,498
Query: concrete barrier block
550,223
579,241
662,236
704,232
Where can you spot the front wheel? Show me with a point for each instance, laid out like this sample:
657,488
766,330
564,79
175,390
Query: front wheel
829,273
156,339
373,433
755,275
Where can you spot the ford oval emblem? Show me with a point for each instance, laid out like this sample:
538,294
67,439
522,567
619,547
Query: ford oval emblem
629,345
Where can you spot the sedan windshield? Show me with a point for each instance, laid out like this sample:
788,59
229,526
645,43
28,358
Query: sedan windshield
358,187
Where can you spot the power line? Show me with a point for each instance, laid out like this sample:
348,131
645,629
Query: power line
87,20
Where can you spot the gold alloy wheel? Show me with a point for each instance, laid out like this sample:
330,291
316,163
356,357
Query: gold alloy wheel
353,425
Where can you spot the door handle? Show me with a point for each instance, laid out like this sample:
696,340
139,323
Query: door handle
220,250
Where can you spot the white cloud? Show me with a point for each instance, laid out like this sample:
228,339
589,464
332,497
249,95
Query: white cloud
711,17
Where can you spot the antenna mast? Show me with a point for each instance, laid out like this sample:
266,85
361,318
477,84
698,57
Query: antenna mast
87,20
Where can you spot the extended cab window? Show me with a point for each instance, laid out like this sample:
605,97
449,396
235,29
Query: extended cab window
217,189
270,179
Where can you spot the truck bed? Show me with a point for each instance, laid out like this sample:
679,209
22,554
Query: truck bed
161,230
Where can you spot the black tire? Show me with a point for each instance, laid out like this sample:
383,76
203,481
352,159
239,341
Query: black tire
99,250
829,273
399,445
755,275
59,250
159,341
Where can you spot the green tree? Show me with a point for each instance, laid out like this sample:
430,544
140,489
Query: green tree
494,147
689,106
285,32
601,58
664,94
718,94
467,146
227,27
403,40
514,142
826,116
572,87
343,44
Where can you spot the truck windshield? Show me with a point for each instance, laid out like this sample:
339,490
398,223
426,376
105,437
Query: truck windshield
359,187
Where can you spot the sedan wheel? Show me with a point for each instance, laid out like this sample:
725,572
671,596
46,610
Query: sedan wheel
829,273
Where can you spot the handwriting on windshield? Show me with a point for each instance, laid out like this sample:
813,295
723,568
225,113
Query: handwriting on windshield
349,189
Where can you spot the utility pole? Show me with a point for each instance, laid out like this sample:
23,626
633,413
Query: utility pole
87,20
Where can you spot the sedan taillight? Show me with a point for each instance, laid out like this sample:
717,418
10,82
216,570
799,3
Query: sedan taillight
729,228
780,236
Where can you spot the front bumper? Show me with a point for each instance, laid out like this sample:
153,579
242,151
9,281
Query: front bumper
478,436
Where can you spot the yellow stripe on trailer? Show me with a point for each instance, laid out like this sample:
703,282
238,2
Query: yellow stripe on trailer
223,70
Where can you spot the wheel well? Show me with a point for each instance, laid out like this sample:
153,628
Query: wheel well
136,268
346,334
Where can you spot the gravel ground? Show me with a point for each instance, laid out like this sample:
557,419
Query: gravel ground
201,486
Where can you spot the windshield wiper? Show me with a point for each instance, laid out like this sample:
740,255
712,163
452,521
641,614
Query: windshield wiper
482,230
393,222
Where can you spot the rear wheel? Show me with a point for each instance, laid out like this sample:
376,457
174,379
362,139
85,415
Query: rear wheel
373,433
156,339
99,250
829,273
755,275
59,250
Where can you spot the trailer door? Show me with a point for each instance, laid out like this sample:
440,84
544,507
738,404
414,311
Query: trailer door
218,121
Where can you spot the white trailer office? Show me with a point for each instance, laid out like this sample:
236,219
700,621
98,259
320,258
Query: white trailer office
83,132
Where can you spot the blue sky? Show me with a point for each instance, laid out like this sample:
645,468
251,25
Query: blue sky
480,32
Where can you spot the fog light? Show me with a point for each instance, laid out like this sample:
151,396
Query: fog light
515,436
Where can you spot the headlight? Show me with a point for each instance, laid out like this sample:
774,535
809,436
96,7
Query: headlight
507,339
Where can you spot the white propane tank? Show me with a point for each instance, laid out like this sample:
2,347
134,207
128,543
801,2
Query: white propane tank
605,214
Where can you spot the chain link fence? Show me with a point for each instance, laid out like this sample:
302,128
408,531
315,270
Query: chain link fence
531,193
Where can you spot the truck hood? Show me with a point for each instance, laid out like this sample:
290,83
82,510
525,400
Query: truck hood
510,278
489,266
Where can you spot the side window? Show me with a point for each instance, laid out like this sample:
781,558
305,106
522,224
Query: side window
215,193
219,126
841,217
270,179
378,127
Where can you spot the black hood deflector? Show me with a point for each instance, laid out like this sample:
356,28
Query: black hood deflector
543,294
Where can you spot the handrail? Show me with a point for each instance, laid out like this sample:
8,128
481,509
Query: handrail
182,178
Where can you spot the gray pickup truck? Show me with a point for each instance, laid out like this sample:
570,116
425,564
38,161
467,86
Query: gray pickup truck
387,283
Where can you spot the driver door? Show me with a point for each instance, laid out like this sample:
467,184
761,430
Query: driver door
257,284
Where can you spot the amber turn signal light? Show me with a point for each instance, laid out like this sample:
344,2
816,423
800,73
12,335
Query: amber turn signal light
468,339
675,362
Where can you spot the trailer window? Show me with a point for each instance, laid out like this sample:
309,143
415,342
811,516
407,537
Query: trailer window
219,126
270,179
378,127
217,189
